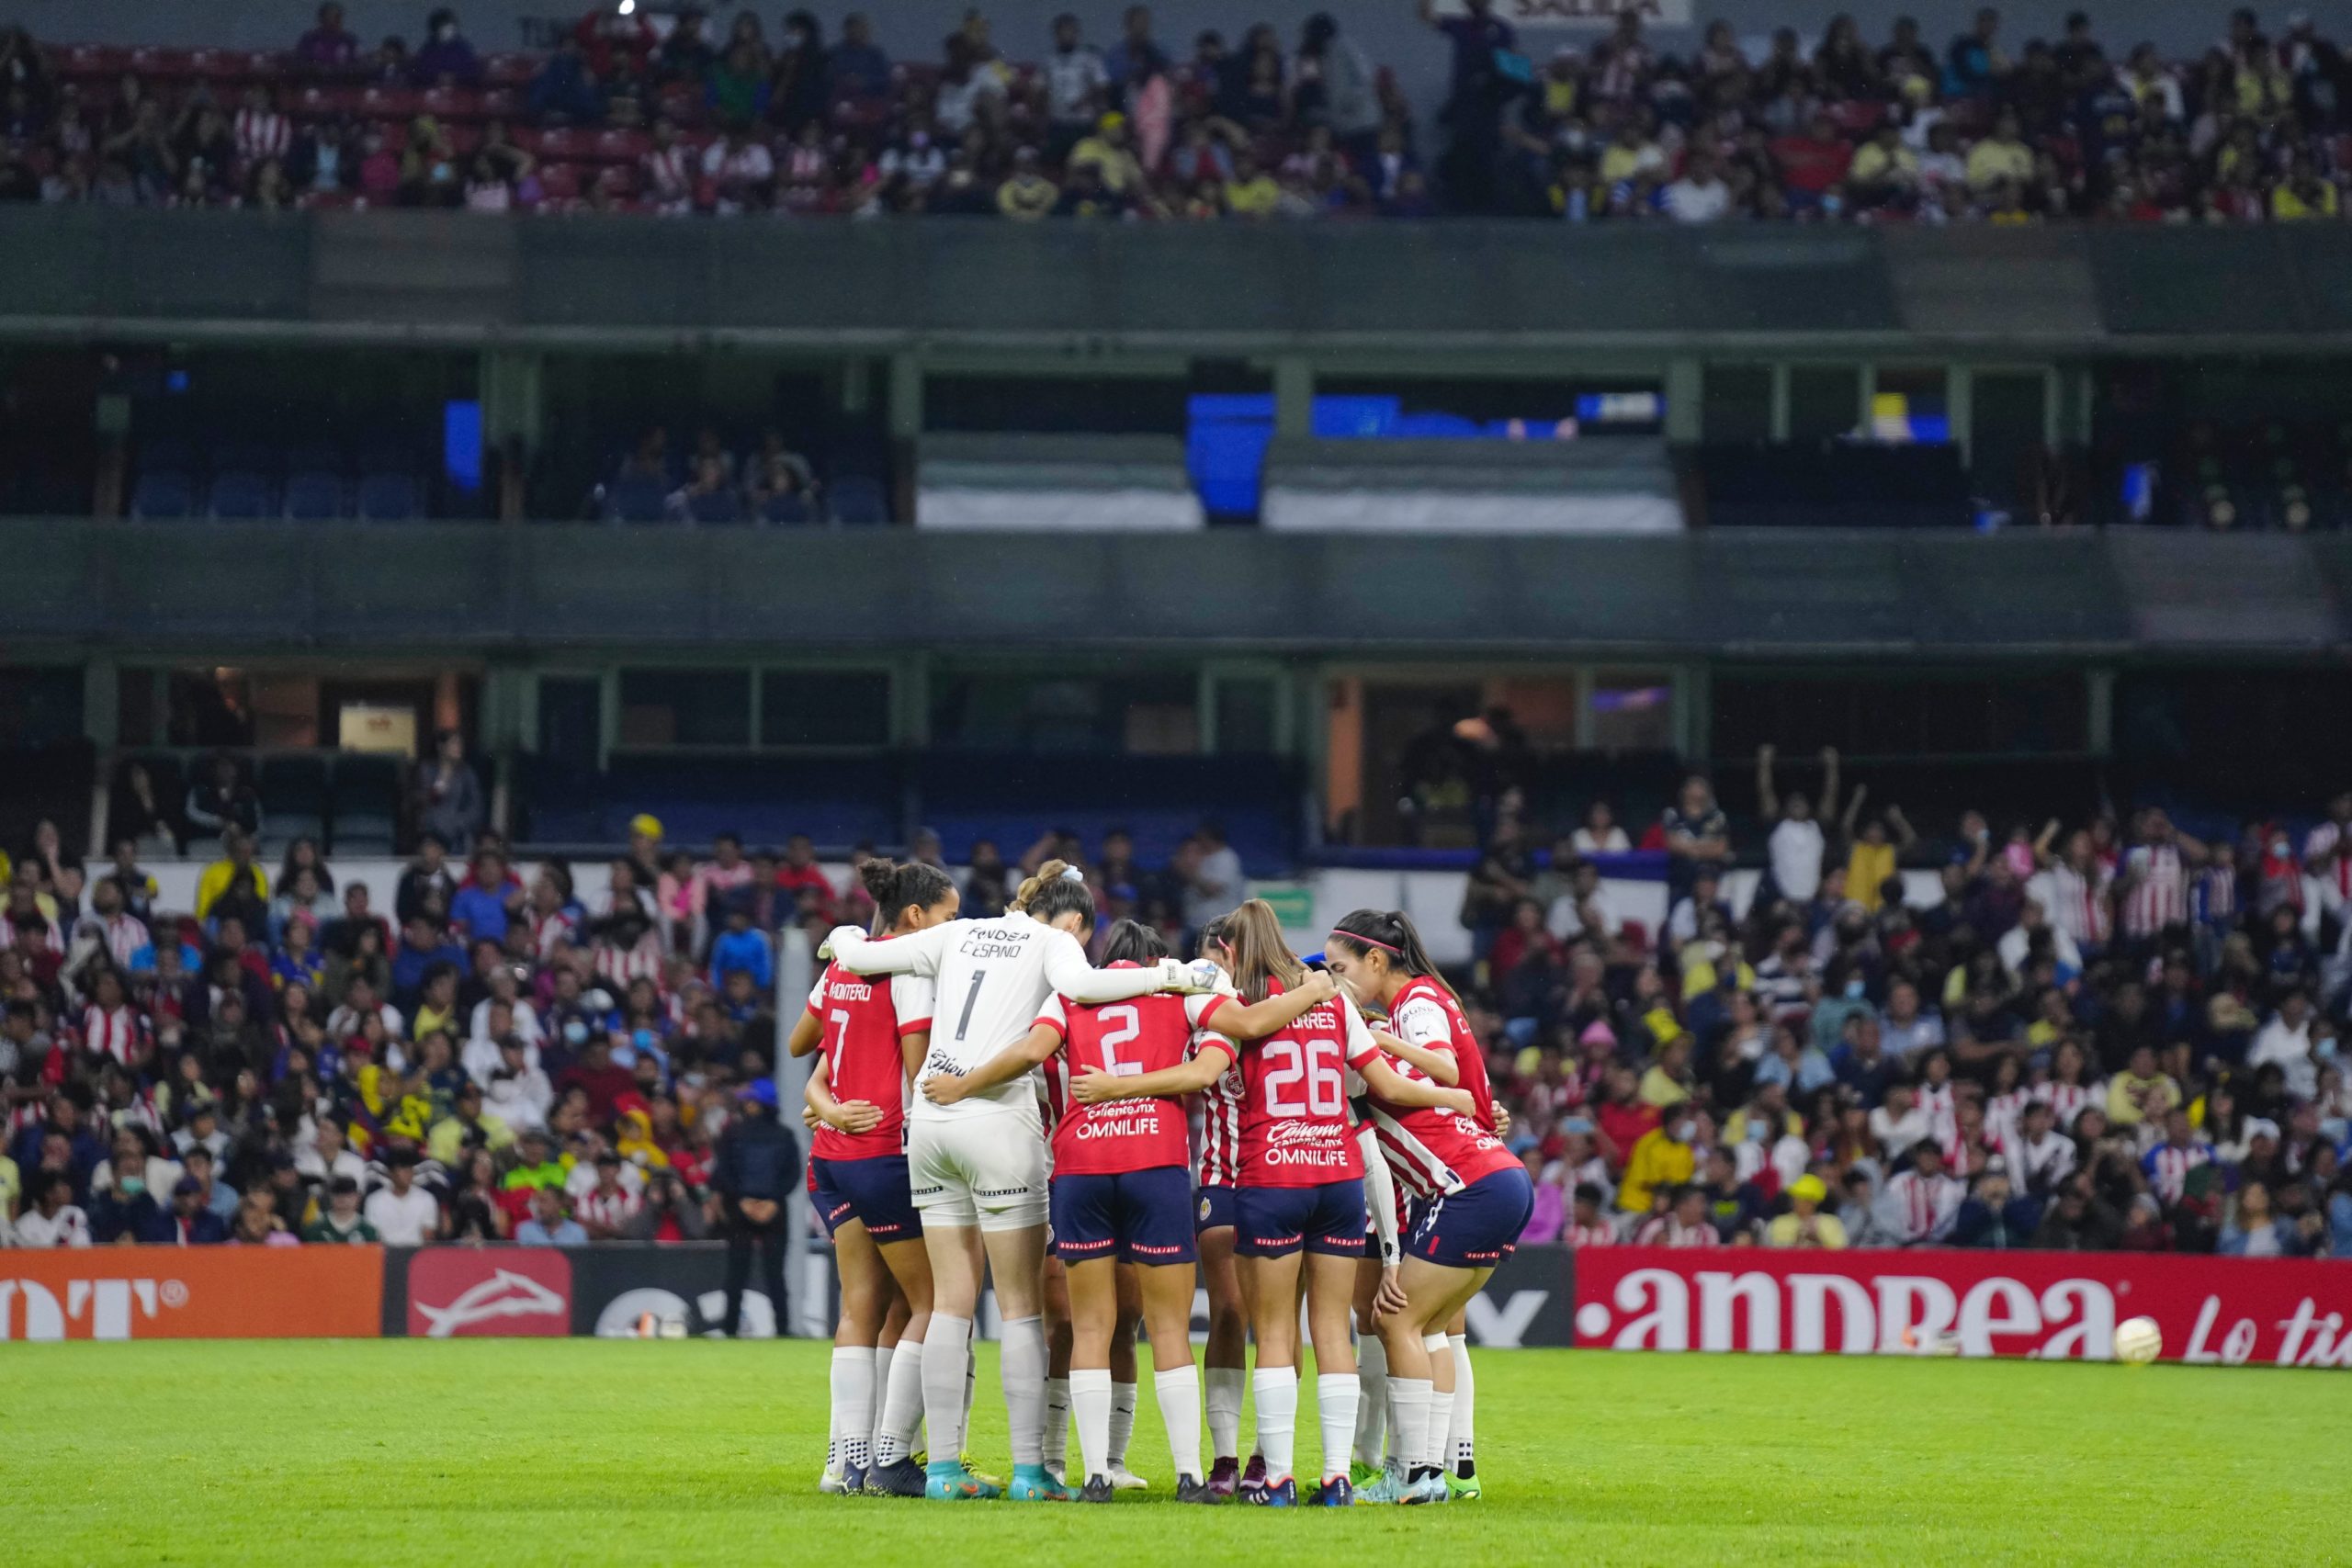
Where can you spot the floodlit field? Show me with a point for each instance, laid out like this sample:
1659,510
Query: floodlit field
587,1451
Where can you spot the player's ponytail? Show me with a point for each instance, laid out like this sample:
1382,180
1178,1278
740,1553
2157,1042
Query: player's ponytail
1260,953
1058,888
1132,942
897,888
1390,933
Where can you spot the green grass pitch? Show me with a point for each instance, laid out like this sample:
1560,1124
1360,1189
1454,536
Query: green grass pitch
585,1451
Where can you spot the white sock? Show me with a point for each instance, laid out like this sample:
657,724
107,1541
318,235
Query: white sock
946,1344
1462,1436
1225,1386
971,1388
1089,1397
1024,1388
1058,1426
1336,1397
1411,1397
885,1356
902,1396
1123,1422
1372,1415
1432,1451
1180,1407
1276,1391
833,1438
854,1403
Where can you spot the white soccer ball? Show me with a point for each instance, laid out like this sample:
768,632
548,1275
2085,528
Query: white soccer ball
2138,1341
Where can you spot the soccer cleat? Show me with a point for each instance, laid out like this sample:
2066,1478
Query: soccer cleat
833,1482
1386,1486
1192,1489
1224,1479
1461,1488
1253,1479
1032,1484
1126,1480
856,1479
1098,1489
1282,1493
1360,1475
1335,1492
950,1481
903,1478
1430,1488
988,1477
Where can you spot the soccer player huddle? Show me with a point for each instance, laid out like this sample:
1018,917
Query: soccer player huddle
989,1103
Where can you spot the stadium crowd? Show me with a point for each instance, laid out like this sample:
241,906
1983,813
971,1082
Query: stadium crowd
2097,1035
672,113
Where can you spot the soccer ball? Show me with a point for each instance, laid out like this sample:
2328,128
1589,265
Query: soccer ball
2138,1341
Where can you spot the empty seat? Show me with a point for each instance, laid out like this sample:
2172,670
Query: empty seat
860,498
787,509
719,506
313,495
387,498
242,493
635,498
164,493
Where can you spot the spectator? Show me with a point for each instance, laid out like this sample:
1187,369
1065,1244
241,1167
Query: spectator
1697,833
403,1213
856,71
54,1219
220,800
444,59
1700,195
1921,1204
341,1221
754,1165
329,46
1992,1217
551,1223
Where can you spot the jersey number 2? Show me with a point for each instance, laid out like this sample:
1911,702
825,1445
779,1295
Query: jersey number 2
1126,1024
1317,1066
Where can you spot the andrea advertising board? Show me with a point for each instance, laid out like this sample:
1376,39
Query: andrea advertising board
506,1291
190,1293
2055,1305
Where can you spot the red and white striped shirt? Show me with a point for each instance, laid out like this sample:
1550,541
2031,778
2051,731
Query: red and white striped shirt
1220,1160
261,133
610,1209
125,935
1926,1205
1602,1235
2079,904
2065,1099
2158,894
624,965
1665,1230
1935,1100
2167,1169
670,173
117,1033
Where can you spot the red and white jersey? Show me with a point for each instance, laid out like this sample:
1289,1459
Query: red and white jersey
1127,1039
2167,1169
864,1019
261,133
2005,1112
117,1033
555,926
2077,902
670,172
125,936
1295,1126
1220,1161
1426,1014
1935,1100
2157,895
1928,1205
1601,1234
1431,1151
611,1210
623,966
1665,1230
2066,1099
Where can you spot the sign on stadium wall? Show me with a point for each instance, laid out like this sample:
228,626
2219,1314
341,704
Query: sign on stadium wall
1537,15
190,1293
503,1292
2055,1306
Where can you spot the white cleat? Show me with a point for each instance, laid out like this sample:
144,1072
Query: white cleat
1126,1480
833,1482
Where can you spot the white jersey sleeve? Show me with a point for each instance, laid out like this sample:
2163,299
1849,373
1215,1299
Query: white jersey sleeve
1068,973
913,998
920,954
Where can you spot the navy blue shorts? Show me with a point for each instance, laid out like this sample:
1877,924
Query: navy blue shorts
872,1191
1213,1210
1476,1227
1275,1222
1136,1216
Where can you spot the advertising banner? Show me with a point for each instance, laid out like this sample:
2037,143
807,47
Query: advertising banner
1538,15
190,1293
441,1292
2056,1305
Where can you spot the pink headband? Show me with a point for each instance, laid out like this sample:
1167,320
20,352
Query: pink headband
1368,942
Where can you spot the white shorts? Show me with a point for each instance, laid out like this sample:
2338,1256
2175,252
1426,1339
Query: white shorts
986,1170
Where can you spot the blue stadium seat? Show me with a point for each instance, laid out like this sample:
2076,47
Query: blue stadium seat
859,499
314,457
787,509
312,495
387,498
167,454
244,456
242,493
163,494
635,498
366,795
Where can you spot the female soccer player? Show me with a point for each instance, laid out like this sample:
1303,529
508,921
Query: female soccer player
981,1163
873,1033
1301,1190
1225,1360
1120,1188
1473,1198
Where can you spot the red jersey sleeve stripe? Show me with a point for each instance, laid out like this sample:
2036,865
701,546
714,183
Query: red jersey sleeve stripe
913,1026
1216,1005
1056,1024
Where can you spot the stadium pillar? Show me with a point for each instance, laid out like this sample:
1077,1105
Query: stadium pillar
512,413
1294,397
796,971
102,727
1685,398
